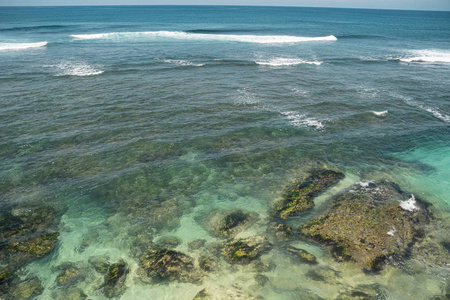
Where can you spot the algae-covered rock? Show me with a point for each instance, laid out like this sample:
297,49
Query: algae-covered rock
299,198
27,289
73,293
114,285
100,263
227,223
300,255
169,265
368,224
243,250
196,244
282,232
168,242
208,263
220,292
26,232
71,275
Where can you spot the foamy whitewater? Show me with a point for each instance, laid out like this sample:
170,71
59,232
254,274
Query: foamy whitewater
179,35
126,129
21,46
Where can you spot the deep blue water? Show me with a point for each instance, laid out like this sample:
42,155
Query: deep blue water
109,110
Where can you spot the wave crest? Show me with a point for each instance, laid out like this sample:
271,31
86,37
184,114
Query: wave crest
76,69
427,56
21,46
280,62
181,35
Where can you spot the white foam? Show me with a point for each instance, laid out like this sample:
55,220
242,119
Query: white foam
434,111
380,113
76,69
392,232
280,62
410,204
364,184
300,120
260,39
427,56
21,46
181,62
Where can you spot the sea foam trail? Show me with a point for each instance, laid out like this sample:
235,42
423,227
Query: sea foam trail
301,120
181,35
21,46
427,56
76,69
281,62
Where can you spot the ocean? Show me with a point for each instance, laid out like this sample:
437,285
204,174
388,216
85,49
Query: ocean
136,123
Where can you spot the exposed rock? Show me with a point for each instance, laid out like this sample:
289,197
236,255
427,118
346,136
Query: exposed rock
243,250
197,244
301,255
282,232
299,198
169,265
220,292
168,242
114,285
367,225
229,223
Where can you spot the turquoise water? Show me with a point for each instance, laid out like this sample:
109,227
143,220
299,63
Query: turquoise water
141,121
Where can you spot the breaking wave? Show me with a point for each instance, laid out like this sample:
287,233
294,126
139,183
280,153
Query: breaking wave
21,46
76,69
299,120
181,35
427,56
280,62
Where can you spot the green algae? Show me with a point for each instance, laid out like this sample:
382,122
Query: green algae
299,198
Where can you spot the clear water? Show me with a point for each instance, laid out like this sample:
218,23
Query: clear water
111,111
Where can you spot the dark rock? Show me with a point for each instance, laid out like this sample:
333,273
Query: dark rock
220,292
367,225
229,223
70,294
197,244
261,279
169,265
26,233
26,289
243,250
71,275
208,263
100,263
325,274
301,255
282,232
363,292
168,242
114,285
299,198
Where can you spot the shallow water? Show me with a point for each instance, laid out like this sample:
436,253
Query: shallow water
139,122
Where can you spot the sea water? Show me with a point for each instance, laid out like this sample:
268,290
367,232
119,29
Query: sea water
111,111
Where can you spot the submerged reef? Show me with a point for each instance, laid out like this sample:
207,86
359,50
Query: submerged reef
114,285
370,223
243,250
26,233
228,223
169,265
299,198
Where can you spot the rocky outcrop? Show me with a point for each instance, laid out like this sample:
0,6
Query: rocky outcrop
369,223
114,284
299,198
300,255
169,265
243,250
228,223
